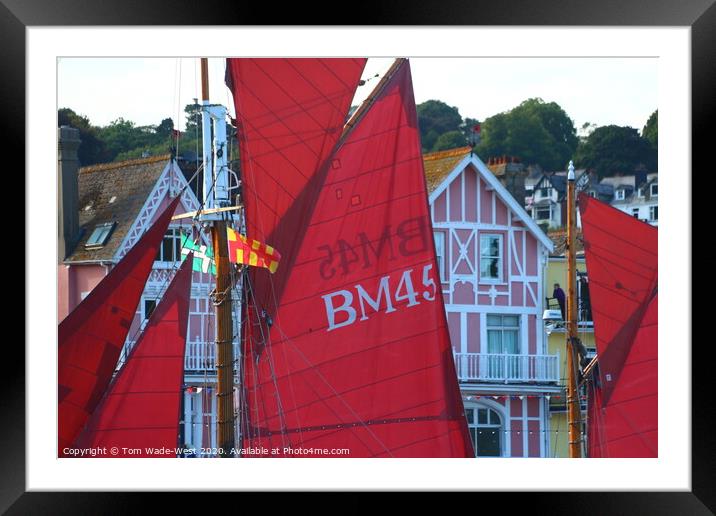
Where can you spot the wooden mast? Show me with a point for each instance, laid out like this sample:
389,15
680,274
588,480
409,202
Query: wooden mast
573,407
224,326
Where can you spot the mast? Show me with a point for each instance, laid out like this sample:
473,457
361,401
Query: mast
216,196
573,407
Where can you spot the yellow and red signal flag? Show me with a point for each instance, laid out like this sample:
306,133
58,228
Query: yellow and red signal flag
251,252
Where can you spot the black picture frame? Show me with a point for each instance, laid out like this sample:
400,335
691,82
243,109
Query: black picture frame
700,15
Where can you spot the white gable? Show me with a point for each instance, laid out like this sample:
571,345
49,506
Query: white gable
501,192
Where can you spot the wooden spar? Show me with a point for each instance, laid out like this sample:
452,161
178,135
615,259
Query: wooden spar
191,214
363,108
204,78
573,407
224,323
224,342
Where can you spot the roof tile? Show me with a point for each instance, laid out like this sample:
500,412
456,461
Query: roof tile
438,165
113,192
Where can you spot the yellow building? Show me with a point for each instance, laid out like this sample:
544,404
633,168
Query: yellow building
556,343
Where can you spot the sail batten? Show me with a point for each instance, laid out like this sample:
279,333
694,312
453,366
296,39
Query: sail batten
142,405
622,264
357,355
91,337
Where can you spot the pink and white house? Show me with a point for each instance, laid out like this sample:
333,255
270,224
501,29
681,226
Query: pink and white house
114,204
492,258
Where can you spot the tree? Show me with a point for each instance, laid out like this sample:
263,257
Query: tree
192,115
613,149
164,129
449,140
435,118
92,149
120,136
535,131
651,130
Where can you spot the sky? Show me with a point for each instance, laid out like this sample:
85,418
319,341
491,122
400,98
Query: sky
600,91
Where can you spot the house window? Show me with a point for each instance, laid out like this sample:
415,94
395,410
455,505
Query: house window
654,213
503,347
619,195
440,252
149,306
635,213
491,257
486,430
545,192
640,192
654,190
584,302
100,235
543,213
170,249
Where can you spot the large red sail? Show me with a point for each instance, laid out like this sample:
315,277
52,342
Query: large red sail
139,414
91,337
290,114
354,353
622,265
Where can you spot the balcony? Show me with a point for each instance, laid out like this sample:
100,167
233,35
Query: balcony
503,368
201,357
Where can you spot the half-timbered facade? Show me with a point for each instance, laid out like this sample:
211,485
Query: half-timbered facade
492,257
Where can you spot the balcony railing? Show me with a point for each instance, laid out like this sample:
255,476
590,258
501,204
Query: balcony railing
503,368
199,356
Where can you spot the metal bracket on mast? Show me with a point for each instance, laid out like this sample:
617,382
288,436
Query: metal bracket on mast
216,169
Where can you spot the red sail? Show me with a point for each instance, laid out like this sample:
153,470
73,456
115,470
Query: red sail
91,337
357,361
290,114
622,265
140,411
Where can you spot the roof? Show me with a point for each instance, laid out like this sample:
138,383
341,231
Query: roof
438,165
113,192
559,237
558,180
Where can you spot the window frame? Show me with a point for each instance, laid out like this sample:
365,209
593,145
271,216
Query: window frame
177,235
502,328
651,190
542,208
501,258
654,213
100,235
441,257
476,426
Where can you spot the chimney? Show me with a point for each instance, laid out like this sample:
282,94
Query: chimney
68,224
513,178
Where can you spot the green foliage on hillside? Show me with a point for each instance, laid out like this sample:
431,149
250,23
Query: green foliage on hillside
651,129
612,149
537,132
122,139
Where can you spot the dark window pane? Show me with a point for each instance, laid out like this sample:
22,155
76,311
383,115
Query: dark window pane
167,249
481,416
488,443
149,306
470,414
177,247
